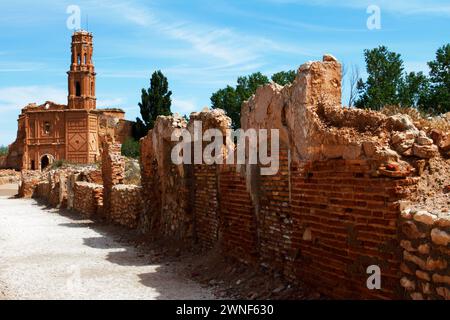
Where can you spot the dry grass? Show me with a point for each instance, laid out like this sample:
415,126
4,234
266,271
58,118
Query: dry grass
132,172
422,120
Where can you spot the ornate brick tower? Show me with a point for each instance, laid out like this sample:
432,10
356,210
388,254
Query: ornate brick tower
82,73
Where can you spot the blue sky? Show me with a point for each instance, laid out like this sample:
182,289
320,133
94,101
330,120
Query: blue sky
201,46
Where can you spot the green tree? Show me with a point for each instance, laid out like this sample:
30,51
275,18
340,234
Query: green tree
3,150
385,69
227,99
155,101
413,90
230,99
284,77
246,86
131,148
439,98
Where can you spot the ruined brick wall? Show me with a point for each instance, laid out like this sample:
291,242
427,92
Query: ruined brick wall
29,181
425,267
330,211
16,150
275,224
113,172
88,198
2,162
205,204
345,220
165,185
9,176
238,221
126,205
42,191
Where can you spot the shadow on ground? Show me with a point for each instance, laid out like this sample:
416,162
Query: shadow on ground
126,248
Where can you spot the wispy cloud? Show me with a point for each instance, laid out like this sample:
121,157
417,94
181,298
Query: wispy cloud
20,66
220,45
407,7
183,107
15,98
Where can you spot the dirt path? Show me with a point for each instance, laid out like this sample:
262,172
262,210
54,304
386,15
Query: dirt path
44,255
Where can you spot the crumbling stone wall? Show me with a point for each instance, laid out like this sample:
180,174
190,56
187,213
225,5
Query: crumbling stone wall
113,172
332,209
126,205
2,162
29,181
83,188
42,190
425,267
166,186
9,176
88,198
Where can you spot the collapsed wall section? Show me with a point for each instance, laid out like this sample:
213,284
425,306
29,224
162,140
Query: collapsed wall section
331,209
88,198
9,176
91,192
113,172
165,184
126,205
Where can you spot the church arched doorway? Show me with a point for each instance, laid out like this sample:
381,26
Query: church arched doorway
46,160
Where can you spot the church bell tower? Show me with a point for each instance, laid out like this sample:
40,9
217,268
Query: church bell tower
82,73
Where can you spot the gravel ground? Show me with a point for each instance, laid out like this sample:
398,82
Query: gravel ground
45,255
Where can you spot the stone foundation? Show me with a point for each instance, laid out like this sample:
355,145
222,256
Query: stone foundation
425,259
88,198
126,205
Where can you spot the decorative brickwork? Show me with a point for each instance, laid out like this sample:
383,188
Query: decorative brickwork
72,132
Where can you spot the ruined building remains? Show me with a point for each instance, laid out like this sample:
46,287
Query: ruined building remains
357,192
71,132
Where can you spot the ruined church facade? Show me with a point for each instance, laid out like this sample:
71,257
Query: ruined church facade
72,132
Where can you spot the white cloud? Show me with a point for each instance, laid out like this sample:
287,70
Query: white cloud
436,7
184,106
15,98
222,46
21,66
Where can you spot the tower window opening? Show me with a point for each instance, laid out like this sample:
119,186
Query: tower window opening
79,59
85,58
92,88
78,89
46,127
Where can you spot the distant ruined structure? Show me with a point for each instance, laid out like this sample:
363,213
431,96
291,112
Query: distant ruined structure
357,192
72,132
